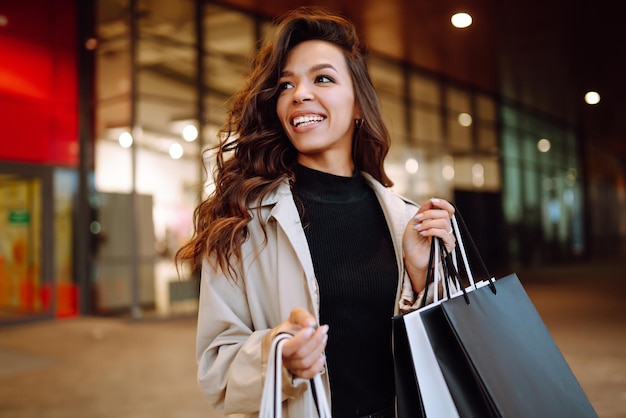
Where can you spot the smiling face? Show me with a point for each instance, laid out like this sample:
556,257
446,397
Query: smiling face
317,108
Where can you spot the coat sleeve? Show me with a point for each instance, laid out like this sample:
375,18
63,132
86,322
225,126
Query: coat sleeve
229,351
409,300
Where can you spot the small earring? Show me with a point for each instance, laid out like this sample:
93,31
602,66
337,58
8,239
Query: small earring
358,122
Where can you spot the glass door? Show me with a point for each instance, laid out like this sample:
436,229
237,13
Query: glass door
24,293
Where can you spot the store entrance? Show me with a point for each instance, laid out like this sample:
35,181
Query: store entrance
23,292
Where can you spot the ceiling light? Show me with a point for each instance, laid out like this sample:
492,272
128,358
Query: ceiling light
592,97
411,166
125,139
478,170
447,172
190,133
478,175
461,20
176,151
465,119
543,145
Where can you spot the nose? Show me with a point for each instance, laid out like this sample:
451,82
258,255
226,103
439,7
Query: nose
302,93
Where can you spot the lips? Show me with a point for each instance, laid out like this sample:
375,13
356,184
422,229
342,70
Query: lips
305,120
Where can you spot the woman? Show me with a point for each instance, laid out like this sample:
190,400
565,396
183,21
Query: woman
302,233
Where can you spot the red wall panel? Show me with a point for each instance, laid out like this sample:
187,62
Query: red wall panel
39,82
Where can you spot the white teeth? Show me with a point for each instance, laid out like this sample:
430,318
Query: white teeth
306,120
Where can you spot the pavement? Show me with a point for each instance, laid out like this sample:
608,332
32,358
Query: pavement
103,367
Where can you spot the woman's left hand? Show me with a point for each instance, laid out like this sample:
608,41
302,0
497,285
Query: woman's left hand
433,219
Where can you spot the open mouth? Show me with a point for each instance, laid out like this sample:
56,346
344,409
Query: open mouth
301,121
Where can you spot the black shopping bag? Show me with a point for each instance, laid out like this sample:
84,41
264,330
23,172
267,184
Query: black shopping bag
495,353
513,361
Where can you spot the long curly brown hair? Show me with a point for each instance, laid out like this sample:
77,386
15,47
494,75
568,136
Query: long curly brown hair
254,155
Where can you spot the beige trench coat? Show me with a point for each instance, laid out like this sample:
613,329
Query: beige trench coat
274,278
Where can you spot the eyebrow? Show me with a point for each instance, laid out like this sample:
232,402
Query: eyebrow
314,68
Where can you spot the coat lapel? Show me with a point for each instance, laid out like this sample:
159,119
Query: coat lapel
284,211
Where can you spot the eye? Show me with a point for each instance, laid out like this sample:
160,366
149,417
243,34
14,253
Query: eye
323,79
284,86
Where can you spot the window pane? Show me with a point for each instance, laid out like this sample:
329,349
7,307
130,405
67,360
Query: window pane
485,108
459,137
479,173
426,125
393,115
425,90
457,101
487,137
387,78
512,192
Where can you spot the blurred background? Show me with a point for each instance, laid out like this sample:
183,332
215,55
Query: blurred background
512,110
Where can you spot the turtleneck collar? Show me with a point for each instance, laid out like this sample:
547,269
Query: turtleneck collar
318,185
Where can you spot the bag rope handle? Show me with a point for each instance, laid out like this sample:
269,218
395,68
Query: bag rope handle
271,400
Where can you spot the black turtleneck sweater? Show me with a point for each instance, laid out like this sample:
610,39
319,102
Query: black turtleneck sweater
355,267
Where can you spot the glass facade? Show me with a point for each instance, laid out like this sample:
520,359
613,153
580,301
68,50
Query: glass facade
543,193
163,82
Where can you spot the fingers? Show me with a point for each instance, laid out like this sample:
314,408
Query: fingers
438,204
433,219
432,216
432,227
303,355
300,317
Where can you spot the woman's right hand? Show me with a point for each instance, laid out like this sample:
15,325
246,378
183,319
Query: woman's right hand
303,355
